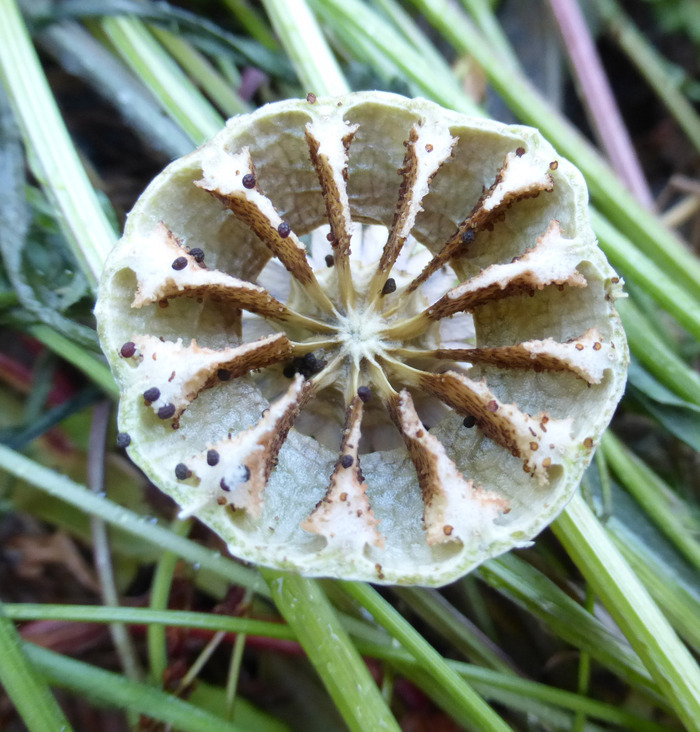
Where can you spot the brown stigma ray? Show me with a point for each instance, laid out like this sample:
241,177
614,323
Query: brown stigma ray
329,141
344,515
427,148
539,441
514,182
224,180
587,356
181,373
246,460
552,261
454,508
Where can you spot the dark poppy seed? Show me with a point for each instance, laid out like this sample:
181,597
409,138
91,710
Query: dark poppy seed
182,472
289,372
310,361
469,421
330,260
365,393
248,181
179,263
468,236
246,474
223,374
167,411
197,254
212,458
284,229
520,152
128,349
330,236
123,439
347,460
152,394
223,485
389,286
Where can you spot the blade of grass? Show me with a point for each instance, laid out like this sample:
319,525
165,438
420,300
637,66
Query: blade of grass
199,69
662,505
537,594
483,15
25,686
620,590
301,38
443,88
53,157
177,95
130,522
488,681
609,194
159,596
474,713
105,688
307,610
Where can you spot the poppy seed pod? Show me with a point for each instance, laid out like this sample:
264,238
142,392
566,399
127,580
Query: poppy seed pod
424,402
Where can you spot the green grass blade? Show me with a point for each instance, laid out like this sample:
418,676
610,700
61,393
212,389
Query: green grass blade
474,713
53,157
305,607
105,688
668,660
62,487
27,688
301,37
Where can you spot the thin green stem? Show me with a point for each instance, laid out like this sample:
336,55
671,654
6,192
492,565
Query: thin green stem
62,487
482,13
177,95
668,660
301,37
108,689
474,712
160,594
252,22
329,648
200,70
25,685
53,157
584,669
662,505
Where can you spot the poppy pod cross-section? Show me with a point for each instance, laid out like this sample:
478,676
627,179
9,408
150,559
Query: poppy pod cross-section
365,337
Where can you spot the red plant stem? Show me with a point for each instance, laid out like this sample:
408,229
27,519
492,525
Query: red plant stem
598,98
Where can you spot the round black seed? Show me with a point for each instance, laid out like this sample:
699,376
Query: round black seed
284,229
289,372
347,460
248,181
182,472
469,421
212,458
179,263
389,286
330,260
128,349
223,375
310,361
520,151
123,439
197,254
152,394
365,393
223,485
246,474
330,236
167,411
468,236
